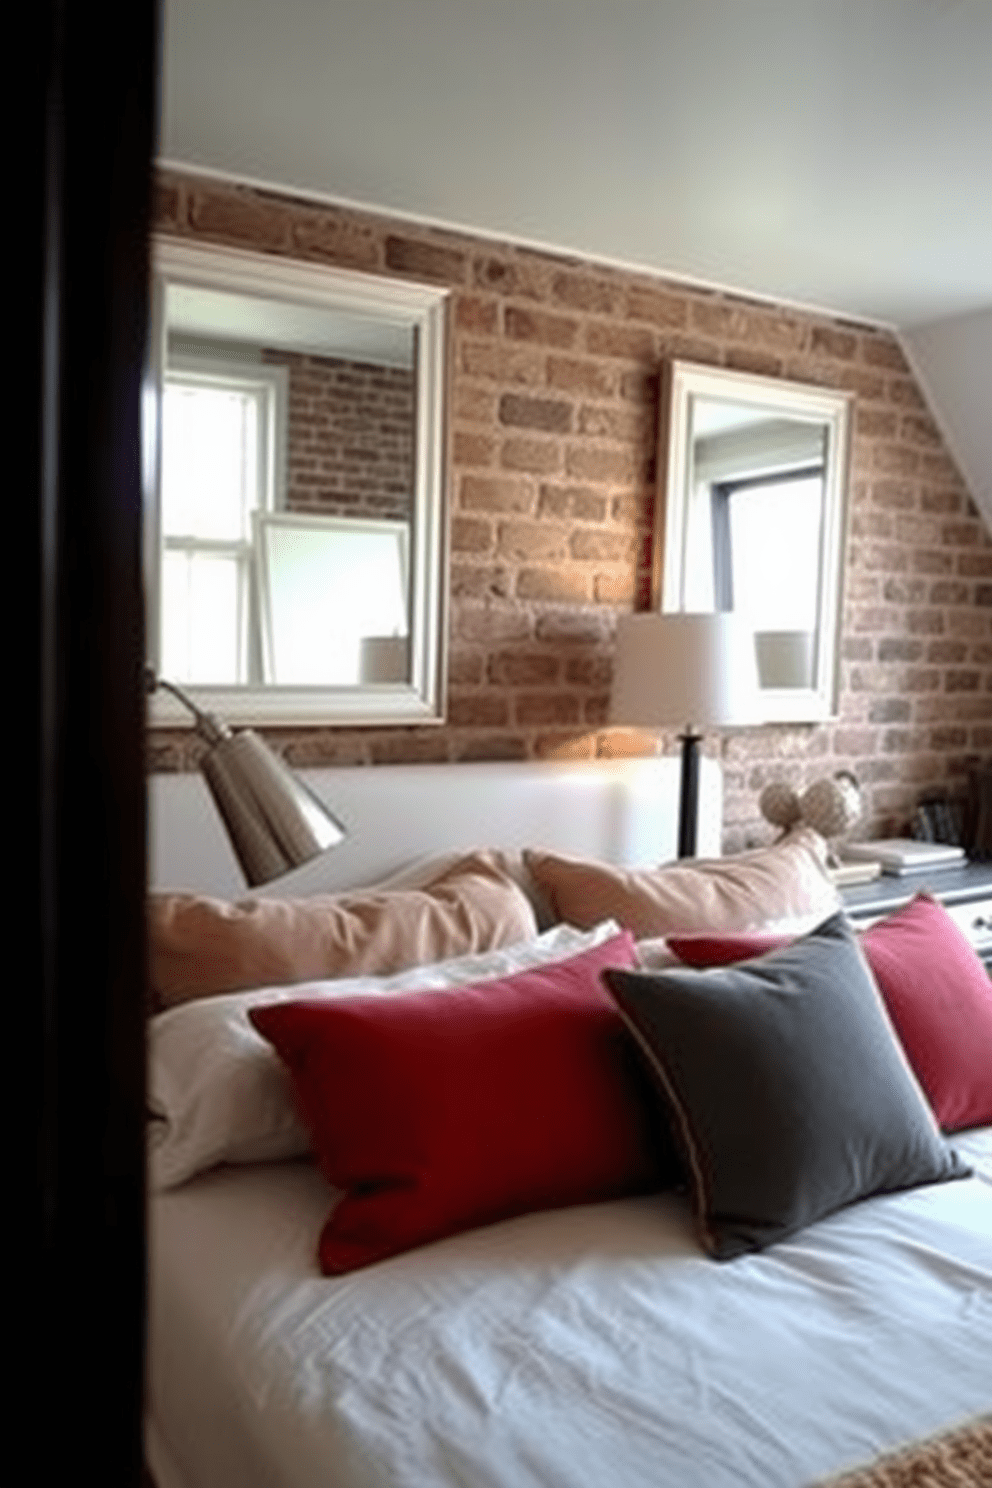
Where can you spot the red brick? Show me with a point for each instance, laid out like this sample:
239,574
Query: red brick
585,378
576,503
601,463
496,493
481,581
333,238
473,404
944,653
535,456
492,624
239,216
883,351
920,429
536,325
532,541
523,669
628,342
572,627
626,425
502,363
600,545
658,307
470,448
470,535
477,709
423,260
556,584
524,412
472,313
581,291
833,343
751,359
520,275
617,588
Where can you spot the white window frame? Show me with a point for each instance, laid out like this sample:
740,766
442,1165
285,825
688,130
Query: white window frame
270,385
423,310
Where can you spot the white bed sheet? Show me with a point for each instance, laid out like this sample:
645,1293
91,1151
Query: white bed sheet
594,1345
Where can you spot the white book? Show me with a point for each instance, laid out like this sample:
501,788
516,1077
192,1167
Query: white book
904,854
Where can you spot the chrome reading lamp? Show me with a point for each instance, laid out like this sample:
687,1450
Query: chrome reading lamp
273,820
693,670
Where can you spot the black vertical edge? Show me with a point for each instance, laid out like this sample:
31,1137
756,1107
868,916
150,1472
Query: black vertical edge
88,78
689,795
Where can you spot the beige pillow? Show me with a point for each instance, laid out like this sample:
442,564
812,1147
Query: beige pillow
200,946
784,887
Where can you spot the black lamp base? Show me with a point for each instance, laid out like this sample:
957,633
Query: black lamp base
689,794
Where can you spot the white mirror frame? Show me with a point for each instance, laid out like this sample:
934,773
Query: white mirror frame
424,309
682,384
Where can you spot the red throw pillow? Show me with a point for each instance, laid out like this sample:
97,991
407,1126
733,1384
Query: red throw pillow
939,997
937,992
438,1111
724,950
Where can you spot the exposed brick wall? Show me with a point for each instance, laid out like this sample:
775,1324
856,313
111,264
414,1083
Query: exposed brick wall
350,436
554,406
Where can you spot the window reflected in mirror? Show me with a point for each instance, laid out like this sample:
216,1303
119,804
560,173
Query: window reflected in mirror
296,501
332,599
264,417
752,521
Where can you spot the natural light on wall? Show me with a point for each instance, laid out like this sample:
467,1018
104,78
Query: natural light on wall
217,471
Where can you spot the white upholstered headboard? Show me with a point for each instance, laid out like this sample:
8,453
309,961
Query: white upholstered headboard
622,811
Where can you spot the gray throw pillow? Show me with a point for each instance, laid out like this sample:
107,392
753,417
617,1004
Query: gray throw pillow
788,1090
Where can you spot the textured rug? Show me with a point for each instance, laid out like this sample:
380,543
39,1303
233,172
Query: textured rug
957,1459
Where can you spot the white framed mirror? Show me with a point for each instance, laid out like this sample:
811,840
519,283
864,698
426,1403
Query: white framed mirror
751,516
294,441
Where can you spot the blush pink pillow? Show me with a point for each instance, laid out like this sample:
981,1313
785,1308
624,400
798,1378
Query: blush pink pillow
201,947
785,887
453,1109
935,988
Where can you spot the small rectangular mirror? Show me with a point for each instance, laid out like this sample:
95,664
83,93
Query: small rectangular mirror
333,593
751,516
295,541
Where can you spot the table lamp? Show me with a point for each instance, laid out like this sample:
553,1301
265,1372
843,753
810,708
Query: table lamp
274,821
692,670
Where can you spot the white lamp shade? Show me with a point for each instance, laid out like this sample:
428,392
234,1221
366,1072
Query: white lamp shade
684,669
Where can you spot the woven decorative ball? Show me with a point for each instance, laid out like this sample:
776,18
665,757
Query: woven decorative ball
779,804
831,806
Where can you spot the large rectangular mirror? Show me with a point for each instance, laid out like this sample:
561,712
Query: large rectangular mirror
751,516
295,534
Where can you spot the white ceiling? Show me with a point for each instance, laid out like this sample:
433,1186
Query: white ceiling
834,153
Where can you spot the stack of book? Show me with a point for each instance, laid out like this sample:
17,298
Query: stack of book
901,855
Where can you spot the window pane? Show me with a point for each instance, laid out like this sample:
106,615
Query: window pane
202,618
775,545
328,588
209,461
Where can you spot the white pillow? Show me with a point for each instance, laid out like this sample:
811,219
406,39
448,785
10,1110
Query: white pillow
217,1092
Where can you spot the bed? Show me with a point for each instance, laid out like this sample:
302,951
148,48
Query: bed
591,1340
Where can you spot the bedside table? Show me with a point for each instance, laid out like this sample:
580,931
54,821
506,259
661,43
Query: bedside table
965,891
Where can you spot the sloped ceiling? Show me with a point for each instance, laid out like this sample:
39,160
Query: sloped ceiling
833,153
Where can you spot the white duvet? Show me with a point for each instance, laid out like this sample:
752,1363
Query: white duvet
588,1348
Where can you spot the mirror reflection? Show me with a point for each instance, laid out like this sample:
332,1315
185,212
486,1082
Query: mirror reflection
268,414
752,521
295,528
